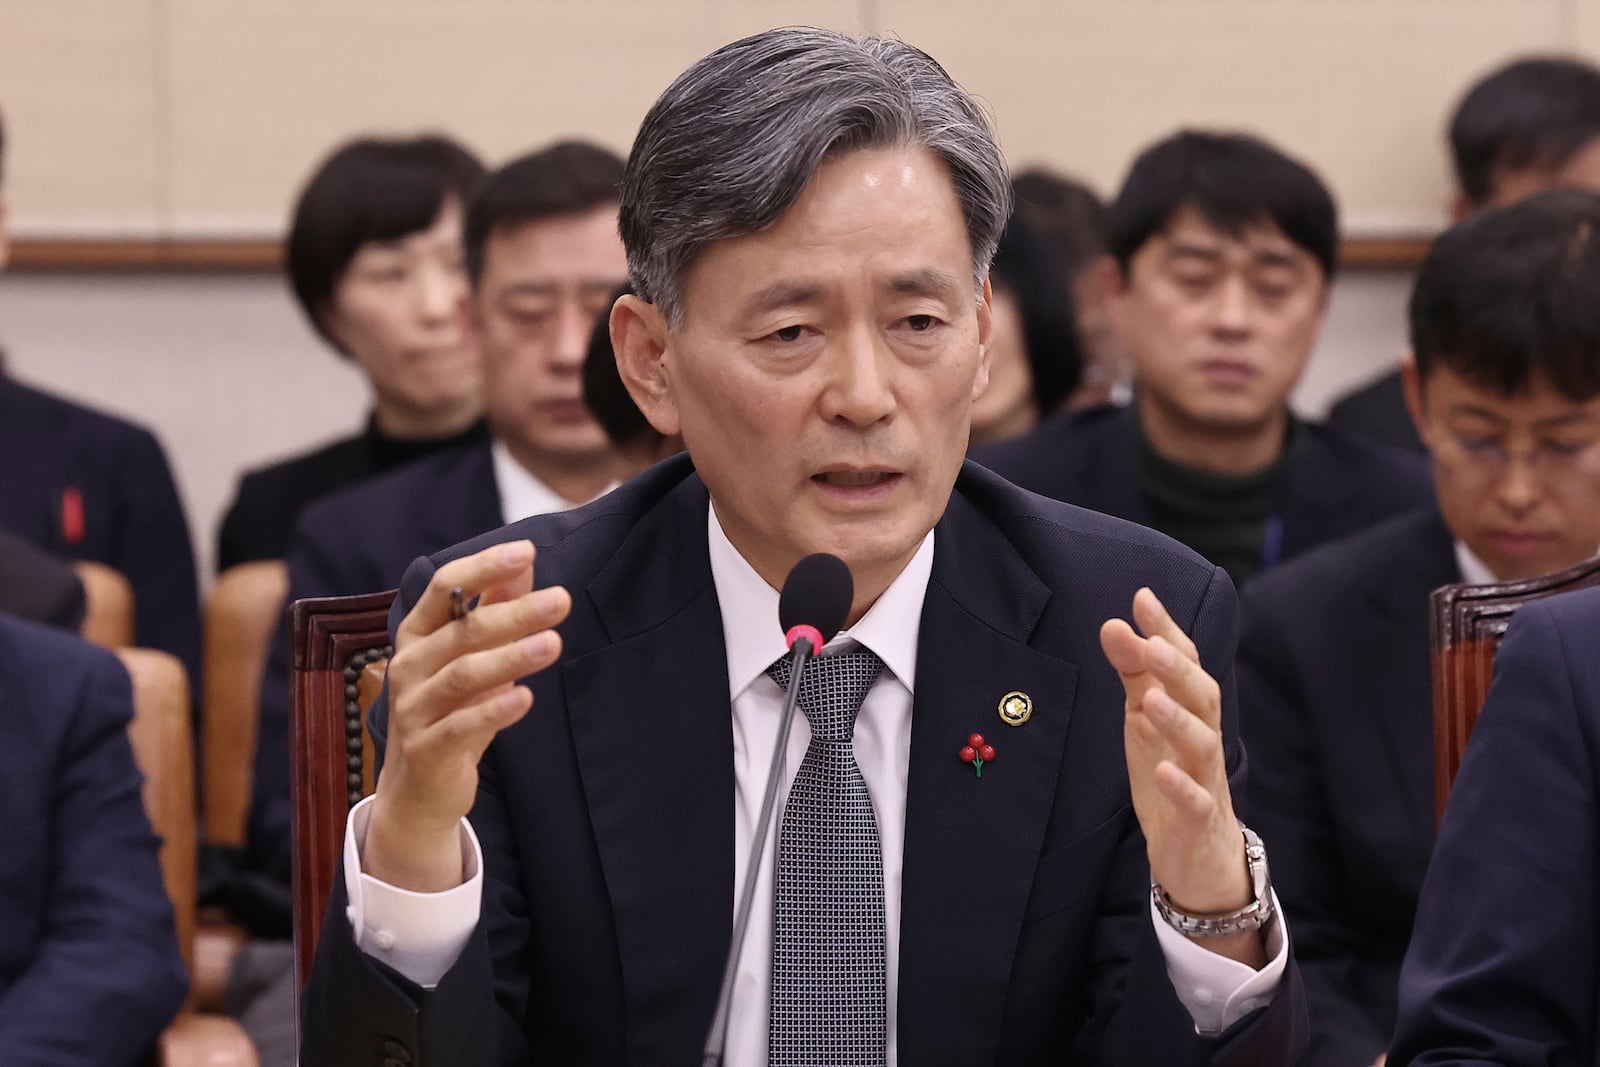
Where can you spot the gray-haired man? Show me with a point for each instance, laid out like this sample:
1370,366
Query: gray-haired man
809,220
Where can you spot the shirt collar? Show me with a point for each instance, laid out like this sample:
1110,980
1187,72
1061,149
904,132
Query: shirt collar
1474,571
749,605
522,494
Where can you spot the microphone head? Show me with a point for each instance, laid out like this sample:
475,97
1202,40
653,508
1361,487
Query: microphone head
818,594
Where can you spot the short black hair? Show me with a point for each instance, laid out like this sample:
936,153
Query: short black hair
1234,181
607,399
566,178
1536,112
1507,297
370,189
1066,214
1024,267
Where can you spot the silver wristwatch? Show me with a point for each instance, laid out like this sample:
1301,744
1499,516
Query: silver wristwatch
1253,916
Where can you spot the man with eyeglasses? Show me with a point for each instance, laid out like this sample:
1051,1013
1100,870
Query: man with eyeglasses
1503,382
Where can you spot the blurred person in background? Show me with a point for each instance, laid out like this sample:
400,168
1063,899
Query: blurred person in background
544,258
375,260
608,399
82,484
1034,356
1335,684
1531,125
1223,254
1071,220
90,971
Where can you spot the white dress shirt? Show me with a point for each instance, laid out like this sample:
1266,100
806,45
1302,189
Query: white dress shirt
420,935
521,494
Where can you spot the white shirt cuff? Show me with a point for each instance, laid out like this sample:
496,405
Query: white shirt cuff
420,935
1217,991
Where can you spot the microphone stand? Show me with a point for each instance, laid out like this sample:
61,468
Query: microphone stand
717,1039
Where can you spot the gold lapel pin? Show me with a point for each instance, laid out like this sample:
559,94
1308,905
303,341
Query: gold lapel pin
1016,708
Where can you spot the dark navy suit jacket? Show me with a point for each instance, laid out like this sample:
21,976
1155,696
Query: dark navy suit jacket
1377,411
607,821
55,452
1504,967
1333,485
358,540
89,964
1335,707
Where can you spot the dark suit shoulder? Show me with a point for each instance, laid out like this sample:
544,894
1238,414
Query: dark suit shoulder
582,540
395,494
258,523
24,402
1369,559
1044,528
32,650
1044,458
1377,410
1393,470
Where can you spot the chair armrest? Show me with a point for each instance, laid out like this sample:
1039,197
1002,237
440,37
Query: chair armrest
205,1041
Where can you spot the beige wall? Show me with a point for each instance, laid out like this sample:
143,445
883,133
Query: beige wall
200,117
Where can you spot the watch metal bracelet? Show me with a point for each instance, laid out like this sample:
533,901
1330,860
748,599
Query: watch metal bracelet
1253,916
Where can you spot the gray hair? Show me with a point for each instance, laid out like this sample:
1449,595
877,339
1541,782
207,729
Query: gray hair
731,144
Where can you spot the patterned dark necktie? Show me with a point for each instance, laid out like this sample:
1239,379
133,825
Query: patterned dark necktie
829,969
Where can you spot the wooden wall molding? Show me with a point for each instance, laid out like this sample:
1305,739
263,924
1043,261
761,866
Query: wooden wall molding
245,256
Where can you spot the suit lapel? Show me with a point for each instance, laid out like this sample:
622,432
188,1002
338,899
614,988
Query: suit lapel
971,845
658,772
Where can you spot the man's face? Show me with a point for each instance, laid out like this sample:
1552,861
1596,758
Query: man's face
544,286
824,372
399,311
1518,478
1219,328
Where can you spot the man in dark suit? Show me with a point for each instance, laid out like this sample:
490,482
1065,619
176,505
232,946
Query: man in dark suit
1504,967
82,484
809,219
89,966
1334,677
1224,251
1531,125
545,260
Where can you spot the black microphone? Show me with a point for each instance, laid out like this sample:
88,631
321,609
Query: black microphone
813,606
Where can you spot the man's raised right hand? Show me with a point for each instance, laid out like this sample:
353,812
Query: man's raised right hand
451,689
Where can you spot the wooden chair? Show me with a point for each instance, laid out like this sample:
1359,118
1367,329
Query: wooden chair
163,747
1468,623
242,613
341,646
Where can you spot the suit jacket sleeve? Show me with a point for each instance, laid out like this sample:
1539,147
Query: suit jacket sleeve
107,977
154,552
1502,966
1136,1016
1288,807
354,1003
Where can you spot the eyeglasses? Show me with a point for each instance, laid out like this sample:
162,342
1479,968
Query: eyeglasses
1547,461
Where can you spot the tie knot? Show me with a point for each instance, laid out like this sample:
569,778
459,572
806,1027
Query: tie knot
832,688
